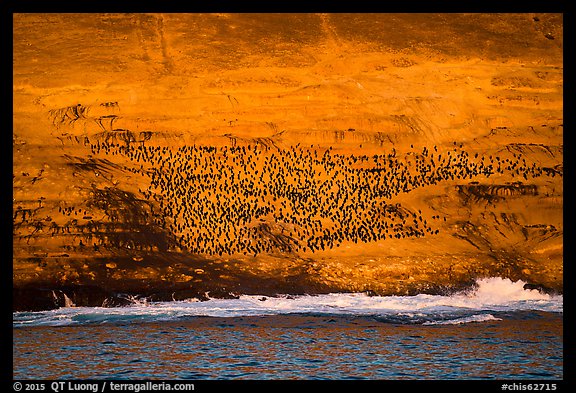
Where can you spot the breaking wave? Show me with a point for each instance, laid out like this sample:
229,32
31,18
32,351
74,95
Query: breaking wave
490,297
459,321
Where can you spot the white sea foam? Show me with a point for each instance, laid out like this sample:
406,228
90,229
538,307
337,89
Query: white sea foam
459,321
490,295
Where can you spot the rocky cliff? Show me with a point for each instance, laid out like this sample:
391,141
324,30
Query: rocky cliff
188,155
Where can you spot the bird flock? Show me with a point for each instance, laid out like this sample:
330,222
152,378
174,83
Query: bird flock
257,199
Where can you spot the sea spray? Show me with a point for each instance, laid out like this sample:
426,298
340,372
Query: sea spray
498,290
490,296
67,301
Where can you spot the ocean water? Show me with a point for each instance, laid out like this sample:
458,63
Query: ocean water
497,331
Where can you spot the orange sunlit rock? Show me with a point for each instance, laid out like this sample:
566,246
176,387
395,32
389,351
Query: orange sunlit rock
170,155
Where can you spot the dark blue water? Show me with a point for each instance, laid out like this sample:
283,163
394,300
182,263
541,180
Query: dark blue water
520,344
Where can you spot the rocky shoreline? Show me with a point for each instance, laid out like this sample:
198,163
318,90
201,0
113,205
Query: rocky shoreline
44,298
174,282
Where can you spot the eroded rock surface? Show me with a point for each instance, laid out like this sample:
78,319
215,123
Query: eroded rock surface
174,156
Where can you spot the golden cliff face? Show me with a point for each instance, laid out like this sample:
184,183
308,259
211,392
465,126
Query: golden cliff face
174,154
